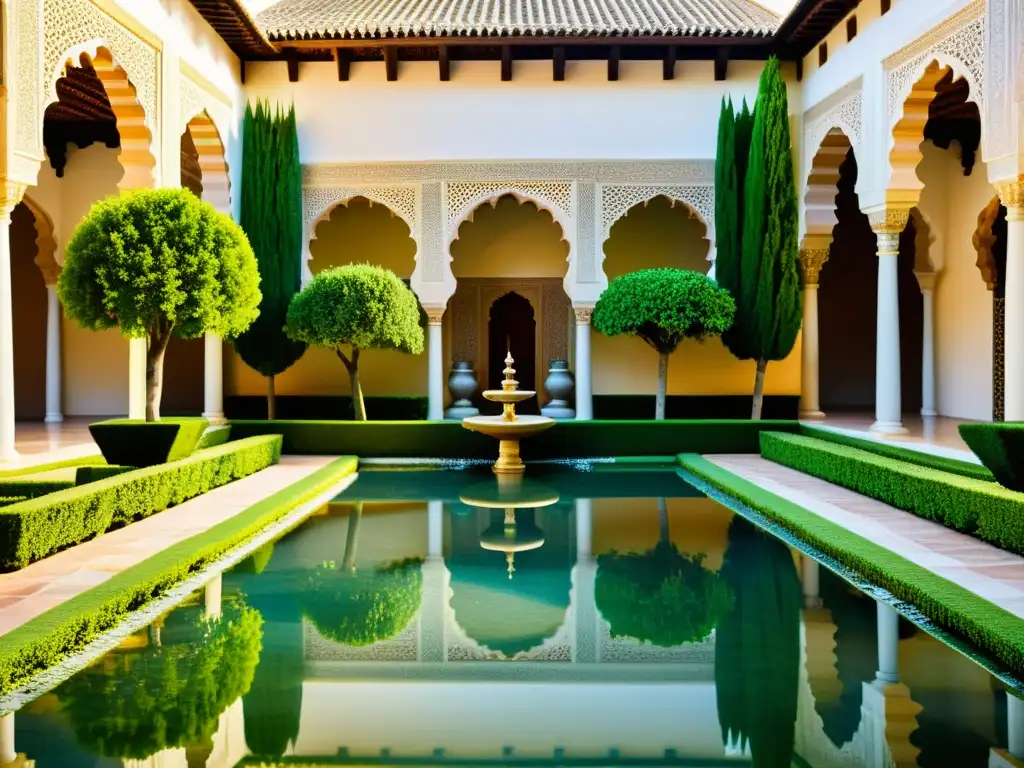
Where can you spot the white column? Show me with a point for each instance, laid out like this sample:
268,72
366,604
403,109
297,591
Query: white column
7,450
1012,195
584,578
8,754
433,639
137,349
213,379
53,381
888,400
888,643
212,597
811,262
927,282
435,528
811,582
435,364
1015,726
584,393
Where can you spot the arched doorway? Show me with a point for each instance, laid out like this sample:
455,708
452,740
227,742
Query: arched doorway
512,327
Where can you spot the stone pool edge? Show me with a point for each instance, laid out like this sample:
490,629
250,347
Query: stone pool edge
934,603
58,643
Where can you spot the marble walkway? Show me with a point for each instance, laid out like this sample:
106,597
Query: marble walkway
992,573
41,586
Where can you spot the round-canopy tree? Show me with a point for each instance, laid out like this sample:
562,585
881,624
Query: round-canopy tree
157,263
359,305
663,307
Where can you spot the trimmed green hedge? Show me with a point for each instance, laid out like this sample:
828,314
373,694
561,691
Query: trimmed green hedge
140,443
996,631
216,434
633,407
568,439
33,529
27,488
975,507
899,452
1000,448
66,629
378,408
35,469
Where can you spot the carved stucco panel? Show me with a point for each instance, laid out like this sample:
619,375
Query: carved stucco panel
73,26
556,323
435,258
617,200
997,118
846,115
29,128
462,198
193,100
587,256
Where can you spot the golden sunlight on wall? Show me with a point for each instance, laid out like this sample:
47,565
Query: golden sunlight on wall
660,235
357,233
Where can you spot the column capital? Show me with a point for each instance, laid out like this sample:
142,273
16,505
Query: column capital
583,315
1011,195
811,262
435,315
888,219
11,193
926,280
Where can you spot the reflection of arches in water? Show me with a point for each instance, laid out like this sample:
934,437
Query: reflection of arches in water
510,617
512,327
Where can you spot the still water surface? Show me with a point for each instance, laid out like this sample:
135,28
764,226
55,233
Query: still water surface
597,618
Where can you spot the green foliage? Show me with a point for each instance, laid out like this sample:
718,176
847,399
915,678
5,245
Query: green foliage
34,529
92,474
35,469
140,443
757,647
769,299
359,304
661,596
1000,446
165,697
271,216
734,131
898,452
572,439
975,507
27,488
156,258
365,607
663,307
999,633
214,435
46,640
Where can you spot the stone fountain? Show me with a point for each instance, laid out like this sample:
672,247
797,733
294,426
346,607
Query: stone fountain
508,428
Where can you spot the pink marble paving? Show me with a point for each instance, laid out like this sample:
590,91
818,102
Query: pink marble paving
41,586
990,572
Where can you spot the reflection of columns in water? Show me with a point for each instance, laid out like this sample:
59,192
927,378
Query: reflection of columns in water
584,576
7,752
888,643
435,528
212,598
433,642
810,579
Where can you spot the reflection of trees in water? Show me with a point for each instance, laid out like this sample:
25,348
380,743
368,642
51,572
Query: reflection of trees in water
134,704
356,607
757,647
661,596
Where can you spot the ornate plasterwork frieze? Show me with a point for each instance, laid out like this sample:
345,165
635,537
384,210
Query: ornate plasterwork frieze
192,101
843,110
75,26
958,42
616,200
997,119
28,135
676,172
403,201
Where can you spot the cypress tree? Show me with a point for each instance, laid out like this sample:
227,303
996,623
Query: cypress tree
272,218
768,306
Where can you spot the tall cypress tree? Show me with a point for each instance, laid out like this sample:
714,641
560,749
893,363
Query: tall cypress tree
272,218
769,302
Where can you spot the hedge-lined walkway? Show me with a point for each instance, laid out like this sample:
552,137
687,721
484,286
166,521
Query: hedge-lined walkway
31,591
989,572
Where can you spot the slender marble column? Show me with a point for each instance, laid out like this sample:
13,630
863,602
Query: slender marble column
212,597
888,643
433,641
8,754
1015,726
213,379
137,349
1011,193
887,225
435,364
811,262
584,392
11,195
53,381
927,282
435,528
811,582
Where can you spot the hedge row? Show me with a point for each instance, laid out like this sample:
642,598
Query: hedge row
997,632
30,489
955,466
975,507
33,529
78,461
568,439
46,640
1000,446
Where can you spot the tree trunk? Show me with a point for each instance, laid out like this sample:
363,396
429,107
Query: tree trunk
762,364
358,406
659,403
158,341
663,520
352,539
271,399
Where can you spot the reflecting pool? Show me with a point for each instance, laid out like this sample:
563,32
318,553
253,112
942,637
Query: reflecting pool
590,618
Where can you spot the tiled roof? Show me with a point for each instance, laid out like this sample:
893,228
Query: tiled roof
303,19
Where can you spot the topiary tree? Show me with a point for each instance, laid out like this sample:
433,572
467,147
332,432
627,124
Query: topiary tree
663,307
157,263
359,305
768,303
272,218
661,596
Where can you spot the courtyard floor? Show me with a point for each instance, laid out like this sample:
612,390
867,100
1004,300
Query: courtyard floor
937,434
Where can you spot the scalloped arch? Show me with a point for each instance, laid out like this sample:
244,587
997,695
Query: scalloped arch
343,198
464,199
215,175
46,243
823,182
617,201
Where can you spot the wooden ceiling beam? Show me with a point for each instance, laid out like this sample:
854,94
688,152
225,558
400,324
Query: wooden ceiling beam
558,63
506,63
444,67
343,59
668,65
722,64
614,55
391,63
